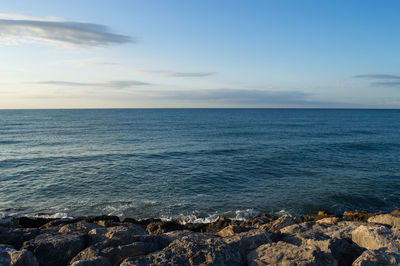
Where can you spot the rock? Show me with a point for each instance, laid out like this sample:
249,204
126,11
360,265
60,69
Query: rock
282,253
10,256
246,241
377,258
193,249
95,261
328,220
78,227
278,224
16,236
388,219
212,227
55,249
145,222
164,227
377,237
332,239
103,220
122,231
58,223
258,220
357,216
23,258
116,232
395,212
232,230
27,222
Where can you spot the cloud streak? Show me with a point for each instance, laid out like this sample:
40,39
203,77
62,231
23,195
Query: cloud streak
117,84
377,76
180,74
20,29
382,80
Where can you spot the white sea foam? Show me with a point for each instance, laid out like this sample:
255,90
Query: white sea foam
57,215
238,215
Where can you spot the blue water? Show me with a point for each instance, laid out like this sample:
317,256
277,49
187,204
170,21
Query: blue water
198,162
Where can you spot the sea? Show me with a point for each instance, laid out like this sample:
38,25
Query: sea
196,165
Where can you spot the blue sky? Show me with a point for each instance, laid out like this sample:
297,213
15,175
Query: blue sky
91,54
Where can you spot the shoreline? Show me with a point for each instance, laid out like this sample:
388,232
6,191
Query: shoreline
351,238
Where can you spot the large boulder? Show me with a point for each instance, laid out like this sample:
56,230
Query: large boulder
16,236
192,249
161,227
377,258
232,230
278,224
95,261
78,227
115,250
121,232
387,219
55,249
282,253
12,257
376,237
332,239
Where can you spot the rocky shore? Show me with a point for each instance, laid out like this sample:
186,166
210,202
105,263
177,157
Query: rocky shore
353,238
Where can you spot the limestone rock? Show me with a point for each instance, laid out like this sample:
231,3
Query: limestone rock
55,249
282,253
328,220
95,261
78,227
357,216
12,257
16,236
246,241
193,249
377,258
23,258
278,224
116,232
164,227
388,219
232,230
377,237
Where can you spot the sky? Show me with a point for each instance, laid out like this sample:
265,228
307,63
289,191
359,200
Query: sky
172,54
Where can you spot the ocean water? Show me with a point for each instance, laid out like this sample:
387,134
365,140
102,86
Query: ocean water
198,164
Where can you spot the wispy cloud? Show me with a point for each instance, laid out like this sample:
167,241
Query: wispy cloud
382,80
17,28
386,84
179,74
118,84
377,76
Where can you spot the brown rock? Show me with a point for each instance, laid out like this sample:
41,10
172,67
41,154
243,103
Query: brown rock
163,227
95,261
27,222
377,258
193,249
282,253
396,212
55,249
17,236
372,236
278,224
23,258
328,220
387,219
78,227
232,230
357,216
